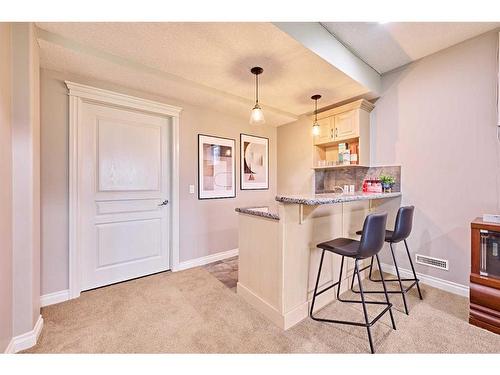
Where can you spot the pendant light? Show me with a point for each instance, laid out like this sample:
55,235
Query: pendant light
257,116
315,124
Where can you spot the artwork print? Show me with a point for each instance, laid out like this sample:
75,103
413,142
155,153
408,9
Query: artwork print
216,167
254,157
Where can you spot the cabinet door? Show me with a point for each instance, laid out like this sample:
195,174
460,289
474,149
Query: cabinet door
346,125
325,131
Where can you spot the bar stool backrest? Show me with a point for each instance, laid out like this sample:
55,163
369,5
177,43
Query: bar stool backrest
404,223
373,235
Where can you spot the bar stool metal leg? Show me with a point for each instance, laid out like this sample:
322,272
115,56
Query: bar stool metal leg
385,292
371,267
402,229
362,269
352,280
317,282
367,321
340,278
399,278
413,270
374,227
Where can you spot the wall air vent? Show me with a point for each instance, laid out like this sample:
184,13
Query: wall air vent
442,264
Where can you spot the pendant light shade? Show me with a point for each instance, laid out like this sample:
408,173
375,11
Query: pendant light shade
315,128
257,116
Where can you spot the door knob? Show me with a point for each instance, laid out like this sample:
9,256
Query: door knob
164,203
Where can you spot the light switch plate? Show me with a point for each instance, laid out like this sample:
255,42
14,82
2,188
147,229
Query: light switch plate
191,189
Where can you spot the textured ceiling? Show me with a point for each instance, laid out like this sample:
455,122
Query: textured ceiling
391,45
201,63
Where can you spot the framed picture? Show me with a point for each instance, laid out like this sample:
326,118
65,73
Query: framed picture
254,158
216,167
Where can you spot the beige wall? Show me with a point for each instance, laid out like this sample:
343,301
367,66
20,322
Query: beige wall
436,117
295,157
206,227
5,188
25,178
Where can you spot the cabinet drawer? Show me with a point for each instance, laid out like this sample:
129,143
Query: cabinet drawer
485,296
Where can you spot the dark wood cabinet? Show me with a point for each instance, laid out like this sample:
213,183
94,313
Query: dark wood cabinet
485,275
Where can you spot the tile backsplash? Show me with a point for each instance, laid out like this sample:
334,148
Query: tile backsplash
327,179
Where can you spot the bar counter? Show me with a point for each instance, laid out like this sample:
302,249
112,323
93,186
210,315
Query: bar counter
278,258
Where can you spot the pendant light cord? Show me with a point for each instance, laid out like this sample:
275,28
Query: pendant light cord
256,89
315,111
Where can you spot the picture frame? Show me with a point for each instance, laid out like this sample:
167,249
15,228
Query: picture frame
216,167
254,162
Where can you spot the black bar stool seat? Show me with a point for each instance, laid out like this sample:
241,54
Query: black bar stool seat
369,245
342,246
402,230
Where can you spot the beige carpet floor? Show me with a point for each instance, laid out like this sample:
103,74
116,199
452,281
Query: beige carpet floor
192,312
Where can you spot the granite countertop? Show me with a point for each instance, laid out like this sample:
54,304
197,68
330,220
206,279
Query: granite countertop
317,199
270,212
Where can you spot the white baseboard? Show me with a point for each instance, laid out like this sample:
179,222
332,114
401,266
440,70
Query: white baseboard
10,348
26,340
205,260
53,298
448,286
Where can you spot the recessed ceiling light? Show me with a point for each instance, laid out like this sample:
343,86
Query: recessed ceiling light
383,22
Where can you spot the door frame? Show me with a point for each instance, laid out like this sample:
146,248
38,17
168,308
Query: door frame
79,94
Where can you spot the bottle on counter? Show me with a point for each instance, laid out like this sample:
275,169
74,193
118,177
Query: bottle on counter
342,148
354,154
346,157
365,186
369,186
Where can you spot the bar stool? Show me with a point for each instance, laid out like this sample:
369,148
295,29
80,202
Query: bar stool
402,230
372,240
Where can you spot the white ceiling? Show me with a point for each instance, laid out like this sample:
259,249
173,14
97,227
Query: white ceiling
200,63
391,45
207,64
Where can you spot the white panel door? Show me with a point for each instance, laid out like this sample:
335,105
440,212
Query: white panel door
124,191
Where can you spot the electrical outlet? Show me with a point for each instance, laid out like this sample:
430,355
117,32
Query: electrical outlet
191,189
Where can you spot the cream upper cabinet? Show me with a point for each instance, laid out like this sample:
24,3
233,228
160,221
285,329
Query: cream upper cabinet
326,132
346,125
338,127
344,122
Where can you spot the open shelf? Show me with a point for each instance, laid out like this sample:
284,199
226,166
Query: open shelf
335,143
